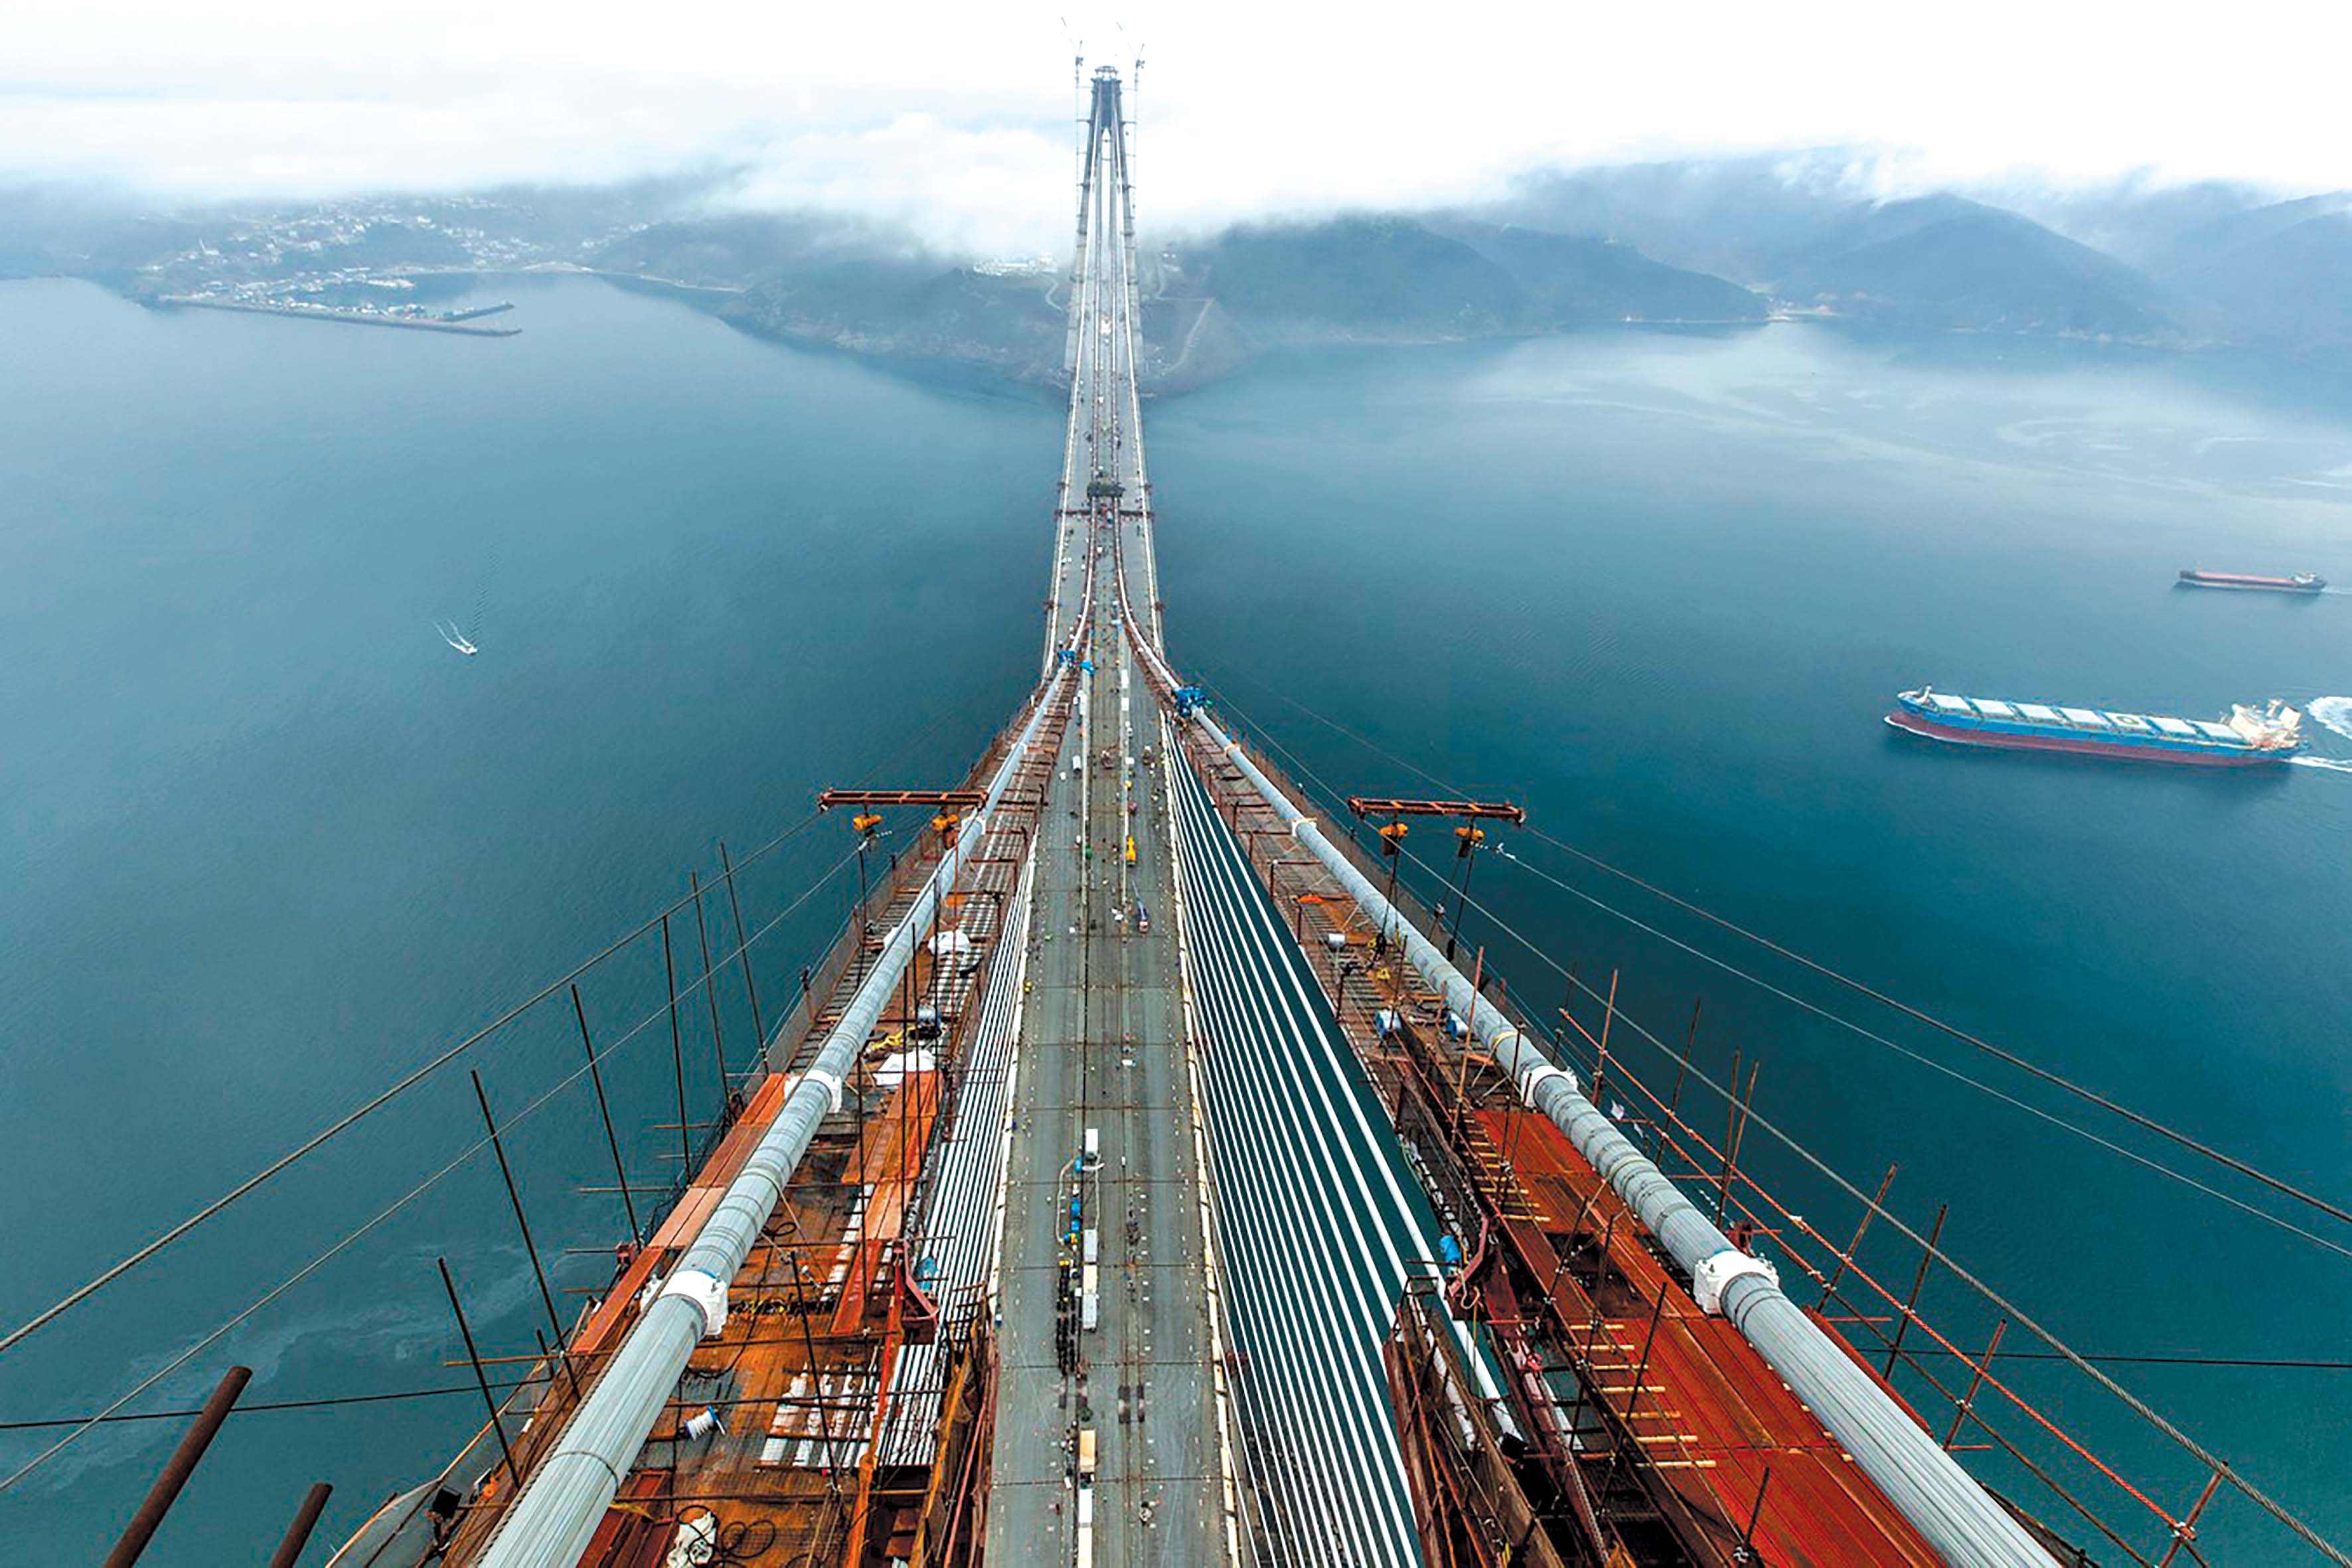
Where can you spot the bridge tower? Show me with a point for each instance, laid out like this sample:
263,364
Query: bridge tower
1103,172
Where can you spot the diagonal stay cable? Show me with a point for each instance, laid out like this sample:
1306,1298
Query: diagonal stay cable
1863,988
2220,1467
186,1356
1947,1069
311,1145
2065,1352
266,1406
418,1191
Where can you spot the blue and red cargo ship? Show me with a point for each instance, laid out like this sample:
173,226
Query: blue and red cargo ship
2246,736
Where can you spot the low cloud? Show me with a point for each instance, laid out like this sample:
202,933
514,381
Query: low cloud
956,121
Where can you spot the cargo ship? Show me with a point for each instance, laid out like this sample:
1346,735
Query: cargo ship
2246,736
2301,582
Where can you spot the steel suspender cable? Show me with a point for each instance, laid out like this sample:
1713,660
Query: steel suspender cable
312,1144
2064,1351
320,1261
1976,1042
1953,1073
1542,957
1863,988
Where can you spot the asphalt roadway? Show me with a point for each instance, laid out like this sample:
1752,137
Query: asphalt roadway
1101,1047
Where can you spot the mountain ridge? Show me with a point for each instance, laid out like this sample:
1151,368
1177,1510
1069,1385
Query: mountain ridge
1723,242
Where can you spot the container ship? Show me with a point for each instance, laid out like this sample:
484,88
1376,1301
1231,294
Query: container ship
2301,582
2248,737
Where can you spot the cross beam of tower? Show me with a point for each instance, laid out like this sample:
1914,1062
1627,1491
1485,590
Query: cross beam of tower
1369,806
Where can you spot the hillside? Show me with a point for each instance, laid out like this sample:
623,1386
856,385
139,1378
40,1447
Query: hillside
1978,269
1695,241
1568,280
2287,283
1381,277
910,310
1740,218
1391,278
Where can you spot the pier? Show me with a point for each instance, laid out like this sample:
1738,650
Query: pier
460,323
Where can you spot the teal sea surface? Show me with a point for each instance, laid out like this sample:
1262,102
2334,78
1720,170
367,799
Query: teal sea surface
272,844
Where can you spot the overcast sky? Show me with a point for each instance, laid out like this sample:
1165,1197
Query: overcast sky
955,118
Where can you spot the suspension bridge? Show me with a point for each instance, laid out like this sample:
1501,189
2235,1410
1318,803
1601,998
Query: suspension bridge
1149,1176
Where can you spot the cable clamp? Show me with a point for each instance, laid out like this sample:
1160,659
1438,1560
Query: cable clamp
1531,1085
829,1081
706,1291
1714,1276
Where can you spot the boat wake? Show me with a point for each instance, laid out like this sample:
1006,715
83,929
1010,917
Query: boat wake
450,634
2333,764
2336,713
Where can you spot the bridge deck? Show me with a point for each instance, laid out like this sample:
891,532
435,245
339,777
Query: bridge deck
1116,1240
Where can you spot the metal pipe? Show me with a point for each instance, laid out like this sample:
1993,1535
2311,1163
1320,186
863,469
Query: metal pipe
710,996
550,1523
481,1378
178,1468
677,1063
1967,1401
1910,1307
531,1248
1853,1247
306,1519
604,1110
742,948
1942,1501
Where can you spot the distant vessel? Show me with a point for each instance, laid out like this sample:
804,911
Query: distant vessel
2248,737
450,634
2301,582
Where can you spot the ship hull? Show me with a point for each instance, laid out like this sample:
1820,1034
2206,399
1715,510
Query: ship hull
2252,584
1994,740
